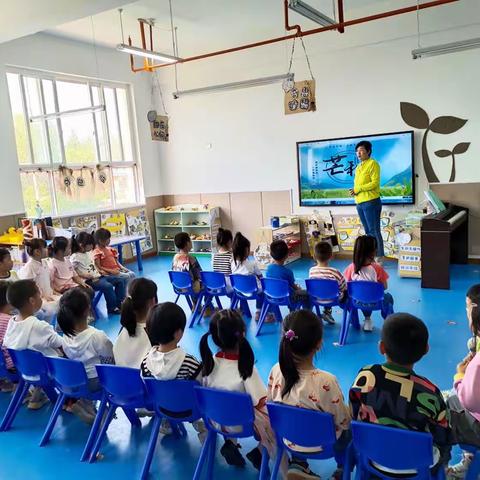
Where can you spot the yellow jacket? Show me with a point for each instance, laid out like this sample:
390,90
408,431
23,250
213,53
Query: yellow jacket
367,181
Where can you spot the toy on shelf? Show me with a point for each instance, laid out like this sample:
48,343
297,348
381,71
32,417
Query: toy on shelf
15,236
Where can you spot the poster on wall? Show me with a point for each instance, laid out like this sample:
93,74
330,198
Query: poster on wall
85,223
114,222
137,224
300,98
159,128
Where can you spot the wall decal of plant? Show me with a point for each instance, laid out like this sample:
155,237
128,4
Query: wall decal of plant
457,150
417,117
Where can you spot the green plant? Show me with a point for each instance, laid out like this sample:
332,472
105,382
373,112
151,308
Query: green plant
416,117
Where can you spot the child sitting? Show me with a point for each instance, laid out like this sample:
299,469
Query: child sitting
37,269
464,402
166,360
106,262
6,265
241,264
277,269
83,343
184,262
62,274
233,369
112,288
5,316
364,268
295,381
132,343
323,253
393,394
222,260
26,331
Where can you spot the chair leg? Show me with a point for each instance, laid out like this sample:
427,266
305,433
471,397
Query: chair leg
53,420
354,318
14,405
51,393
196,309
264,466
233,302
189,301
263,315
278,461
245,308
277,313
317,309
94,430
345,327
211,457
103,432
203,455
219,303
151,447
132,416
176,300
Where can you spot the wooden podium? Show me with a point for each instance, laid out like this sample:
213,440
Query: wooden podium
444,238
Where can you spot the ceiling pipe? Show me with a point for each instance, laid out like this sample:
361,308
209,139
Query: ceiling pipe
288,27
338,26
341,19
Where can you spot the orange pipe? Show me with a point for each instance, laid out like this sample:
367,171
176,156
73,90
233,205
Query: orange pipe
348,23
298,28
341,18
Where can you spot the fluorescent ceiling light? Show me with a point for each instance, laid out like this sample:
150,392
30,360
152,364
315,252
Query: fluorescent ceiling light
235,85
446,48
312,13
140,52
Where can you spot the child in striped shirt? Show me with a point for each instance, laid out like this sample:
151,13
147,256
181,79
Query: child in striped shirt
222,260
323,254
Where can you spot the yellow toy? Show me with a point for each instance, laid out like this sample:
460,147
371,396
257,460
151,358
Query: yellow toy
14,236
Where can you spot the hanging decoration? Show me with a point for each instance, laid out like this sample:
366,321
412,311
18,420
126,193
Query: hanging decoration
158,126
102,175
299,96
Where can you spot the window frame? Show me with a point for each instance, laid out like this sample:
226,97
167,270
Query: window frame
51,167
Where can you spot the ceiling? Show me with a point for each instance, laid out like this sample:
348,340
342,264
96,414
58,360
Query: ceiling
24,17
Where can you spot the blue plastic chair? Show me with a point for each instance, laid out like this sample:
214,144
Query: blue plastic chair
473,471
276,294
71,381
95,301
305,428
325,293
245,288
173,400
221,409
124,389
182,286
363,295
214,287
33,371
393,448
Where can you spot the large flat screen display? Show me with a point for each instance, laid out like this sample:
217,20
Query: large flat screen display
326,169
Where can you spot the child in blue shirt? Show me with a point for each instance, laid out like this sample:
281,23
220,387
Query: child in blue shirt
277,269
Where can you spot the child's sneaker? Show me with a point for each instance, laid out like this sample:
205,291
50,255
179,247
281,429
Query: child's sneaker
37,400
459,470
165,427
78,410
255,458
300,471
6,386
368,325
328,317
231,453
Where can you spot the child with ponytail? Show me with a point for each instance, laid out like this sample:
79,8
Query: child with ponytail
295,381
232,368
83,343
133,343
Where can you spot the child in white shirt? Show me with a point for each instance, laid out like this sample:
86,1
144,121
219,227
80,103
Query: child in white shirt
83,343
25,331
133,343
37,269
243,265
233,369
6,266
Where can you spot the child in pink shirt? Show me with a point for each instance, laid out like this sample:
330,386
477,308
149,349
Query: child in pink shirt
5,316
464,401
62,274
364,268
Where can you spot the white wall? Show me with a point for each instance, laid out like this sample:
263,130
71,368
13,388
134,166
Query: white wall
361,79
56,54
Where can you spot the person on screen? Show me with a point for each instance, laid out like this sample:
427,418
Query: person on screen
366,190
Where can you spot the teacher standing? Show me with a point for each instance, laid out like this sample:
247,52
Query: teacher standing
366,190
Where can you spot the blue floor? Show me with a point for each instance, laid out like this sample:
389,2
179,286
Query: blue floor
123,452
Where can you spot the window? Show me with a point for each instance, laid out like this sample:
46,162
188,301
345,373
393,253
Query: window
74,143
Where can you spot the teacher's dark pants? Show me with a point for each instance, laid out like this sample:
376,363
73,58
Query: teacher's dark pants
369,213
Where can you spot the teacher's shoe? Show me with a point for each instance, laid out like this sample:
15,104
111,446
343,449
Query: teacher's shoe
368,325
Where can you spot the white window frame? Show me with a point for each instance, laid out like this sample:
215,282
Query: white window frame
52,167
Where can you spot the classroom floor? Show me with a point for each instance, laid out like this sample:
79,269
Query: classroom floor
124,450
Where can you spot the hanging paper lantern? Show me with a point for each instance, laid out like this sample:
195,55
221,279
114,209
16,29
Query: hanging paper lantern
80,182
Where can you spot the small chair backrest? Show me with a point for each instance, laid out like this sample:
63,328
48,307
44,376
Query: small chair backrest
213,281
305,428
244,284
69,375
365,292
174,399
31,365
275,288
180,280
123,385
228,413
393,448
322,289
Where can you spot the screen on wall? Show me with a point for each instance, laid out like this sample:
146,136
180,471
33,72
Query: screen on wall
326,169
